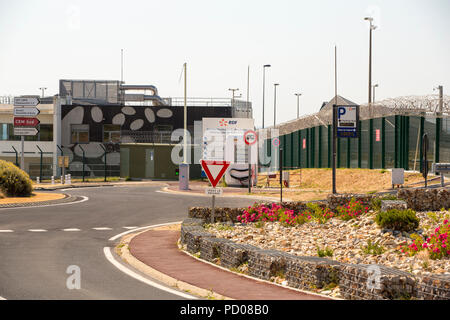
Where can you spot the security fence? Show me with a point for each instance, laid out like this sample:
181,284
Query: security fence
384,142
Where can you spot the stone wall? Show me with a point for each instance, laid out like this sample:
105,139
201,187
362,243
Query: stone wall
223,214
235,254
422,199
336,200
355,281
434,288
375,282
264,264
312,272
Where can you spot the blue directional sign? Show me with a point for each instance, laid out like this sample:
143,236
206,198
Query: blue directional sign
347,121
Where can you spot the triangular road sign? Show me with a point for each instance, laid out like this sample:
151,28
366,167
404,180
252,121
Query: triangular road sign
214,170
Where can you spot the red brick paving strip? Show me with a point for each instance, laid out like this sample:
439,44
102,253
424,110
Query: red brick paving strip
158,249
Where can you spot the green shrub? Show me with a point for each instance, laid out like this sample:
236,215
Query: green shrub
400,220
376,202
326,252
14,182
373,248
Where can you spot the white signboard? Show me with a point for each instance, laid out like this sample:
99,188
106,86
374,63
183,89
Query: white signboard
26,101
398,176
25,111
214,191
223,138
24,131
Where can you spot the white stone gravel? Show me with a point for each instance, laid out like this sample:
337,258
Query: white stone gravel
345,238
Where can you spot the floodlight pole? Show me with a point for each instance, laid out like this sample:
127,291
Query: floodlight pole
334,122
281,174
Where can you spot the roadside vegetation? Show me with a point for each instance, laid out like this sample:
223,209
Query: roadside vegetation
14,182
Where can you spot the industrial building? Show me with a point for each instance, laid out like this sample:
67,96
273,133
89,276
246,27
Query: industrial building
108,128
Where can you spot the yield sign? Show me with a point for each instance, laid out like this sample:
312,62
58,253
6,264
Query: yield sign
214,170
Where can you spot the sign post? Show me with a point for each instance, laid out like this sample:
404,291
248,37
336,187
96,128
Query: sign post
345,125
63,162
25,107
250,138
214,171
425,159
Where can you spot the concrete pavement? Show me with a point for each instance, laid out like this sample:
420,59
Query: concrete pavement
158,249
42,242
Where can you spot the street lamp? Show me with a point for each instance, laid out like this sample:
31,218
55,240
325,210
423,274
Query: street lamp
371,28
298,109
264,87
275,85
42,89
373,88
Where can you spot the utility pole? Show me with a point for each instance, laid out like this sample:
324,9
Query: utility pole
248,84
264,87
298,104
373,88
121,65
275,85
371,28
334,123
441,99
185,115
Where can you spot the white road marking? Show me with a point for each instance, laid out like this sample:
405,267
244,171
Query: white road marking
71,229
7,230
37,230
1,298
49,205
102,228
129,228
121,267
141,228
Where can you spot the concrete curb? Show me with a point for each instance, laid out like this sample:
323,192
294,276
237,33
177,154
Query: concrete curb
123,252
66,199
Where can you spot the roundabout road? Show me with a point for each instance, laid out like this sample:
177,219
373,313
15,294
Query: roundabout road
37,245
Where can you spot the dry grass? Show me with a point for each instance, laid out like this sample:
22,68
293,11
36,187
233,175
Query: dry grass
36,197
315,184
347,180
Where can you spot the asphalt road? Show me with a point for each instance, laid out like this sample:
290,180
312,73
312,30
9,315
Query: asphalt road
37,245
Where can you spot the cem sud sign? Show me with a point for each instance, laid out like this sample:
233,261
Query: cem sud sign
25,122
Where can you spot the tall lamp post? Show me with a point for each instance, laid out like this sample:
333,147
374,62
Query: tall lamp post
373,88
264,87
371,28
275,85
298,104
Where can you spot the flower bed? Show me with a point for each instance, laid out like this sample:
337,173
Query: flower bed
349,235
261,213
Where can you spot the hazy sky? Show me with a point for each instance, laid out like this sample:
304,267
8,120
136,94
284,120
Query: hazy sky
44,41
